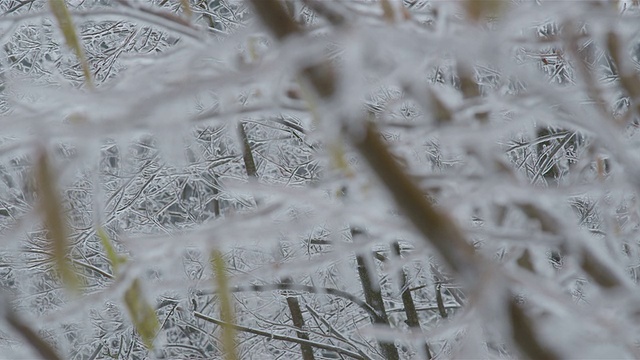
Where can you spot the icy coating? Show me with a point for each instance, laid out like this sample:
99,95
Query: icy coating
314,179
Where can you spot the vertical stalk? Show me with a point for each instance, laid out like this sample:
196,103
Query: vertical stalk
227,314
215,203
373,297
440,302
298,321
409,307
247,156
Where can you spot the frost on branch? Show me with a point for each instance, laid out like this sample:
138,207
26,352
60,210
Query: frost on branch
286,179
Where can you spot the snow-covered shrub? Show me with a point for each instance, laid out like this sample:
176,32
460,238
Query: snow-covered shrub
366,179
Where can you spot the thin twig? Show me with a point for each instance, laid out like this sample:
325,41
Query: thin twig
335,331
275,336
307,288
132,13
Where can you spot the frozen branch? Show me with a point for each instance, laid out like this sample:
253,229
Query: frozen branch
275,336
